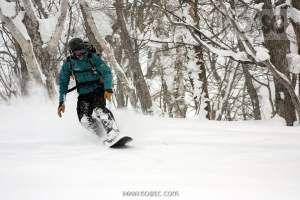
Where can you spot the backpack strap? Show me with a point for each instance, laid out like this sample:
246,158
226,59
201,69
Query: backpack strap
91,62
69,63
90,59
93,68
78,85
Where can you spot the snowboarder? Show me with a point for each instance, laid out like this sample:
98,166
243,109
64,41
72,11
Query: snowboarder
94,85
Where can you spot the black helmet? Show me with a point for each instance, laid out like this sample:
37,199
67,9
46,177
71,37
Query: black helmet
76,44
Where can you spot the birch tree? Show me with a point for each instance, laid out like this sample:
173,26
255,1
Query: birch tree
132,53
40,53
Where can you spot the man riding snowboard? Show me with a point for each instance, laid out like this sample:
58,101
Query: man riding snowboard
94,85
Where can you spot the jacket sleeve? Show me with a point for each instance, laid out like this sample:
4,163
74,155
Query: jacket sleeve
64,79
105,71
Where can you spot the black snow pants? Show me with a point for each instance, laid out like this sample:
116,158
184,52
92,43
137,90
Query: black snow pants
92,112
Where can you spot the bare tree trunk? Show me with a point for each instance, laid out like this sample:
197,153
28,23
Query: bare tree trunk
24,79
166,95
120,96
180,106
193,12
243,103
252,92
296,4
226,94
132,53
120,92
203,79
277,43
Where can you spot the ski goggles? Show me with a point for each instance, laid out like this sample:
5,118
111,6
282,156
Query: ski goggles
79,53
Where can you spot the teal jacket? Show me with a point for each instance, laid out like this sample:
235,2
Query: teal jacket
83,73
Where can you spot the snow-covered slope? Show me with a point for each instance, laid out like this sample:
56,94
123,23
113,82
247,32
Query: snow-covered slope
43,157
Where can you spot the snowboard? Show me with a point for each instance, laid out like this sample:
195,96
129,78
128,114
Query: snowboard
118,142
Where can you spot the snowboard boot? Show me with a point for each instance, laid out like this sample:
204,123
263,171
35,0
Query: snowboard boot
108,122
91,124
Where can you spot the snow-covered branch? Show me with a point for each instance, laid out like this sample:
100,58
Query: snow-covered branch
26,46
282,78
219,50
294,14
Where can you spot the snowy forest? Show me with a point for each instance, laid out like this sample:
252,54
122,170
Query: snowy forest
206,92
219,60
